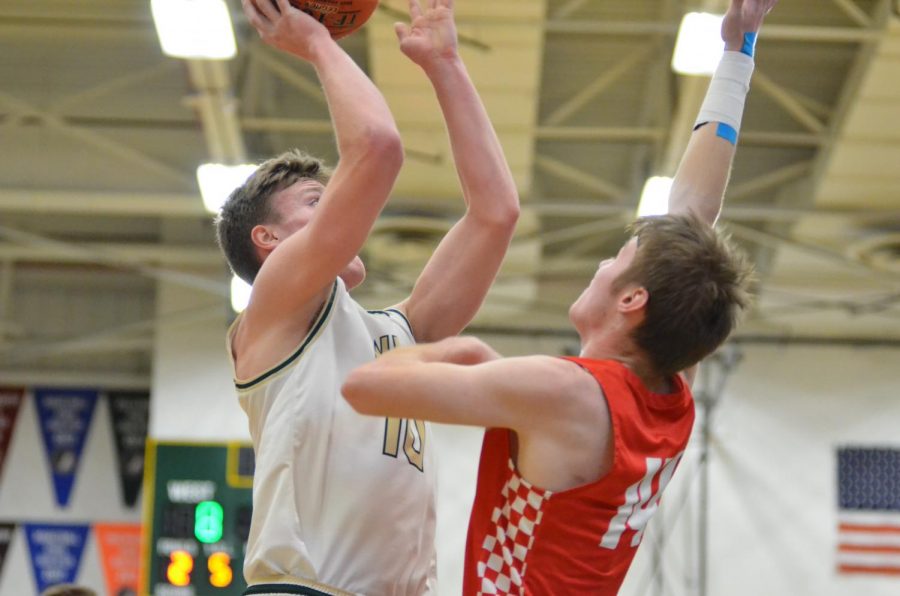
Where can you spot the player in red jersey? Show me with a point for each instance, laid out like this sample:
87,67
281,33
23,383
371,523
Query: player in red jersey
579,450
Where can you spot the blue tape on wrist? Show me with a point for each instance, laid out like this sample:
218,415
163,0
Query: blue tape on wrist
749,46
727,132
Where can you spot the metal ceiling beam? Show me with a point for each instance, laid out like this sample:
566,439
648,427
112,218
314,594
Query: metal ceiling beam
690,98
804,191
773,31
785,99
112,18
584,179
623,134
293,125
113,12
626,134
597,87
769,180
140,204
43,376
286,73
579,208
108,258
165,254
775,240
589,228
852,10
116,149
136,335
570,7
142,76
134,204
217,108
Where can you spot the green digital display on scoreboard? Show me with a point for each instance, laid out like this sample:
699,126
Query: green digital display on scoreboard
198,499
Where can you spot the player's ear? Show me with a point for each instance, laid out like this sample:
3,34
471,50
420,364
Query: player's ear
633,299
264,237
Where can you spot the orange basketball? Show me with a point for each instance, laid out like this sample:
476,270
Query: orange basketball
340,17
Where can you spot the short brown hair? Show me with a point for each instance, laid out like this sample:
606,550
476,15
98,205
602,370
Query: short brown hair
250,205
698,284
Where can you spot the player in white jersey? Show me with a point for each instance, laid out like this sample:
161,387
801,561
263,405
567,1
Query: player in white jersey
344,503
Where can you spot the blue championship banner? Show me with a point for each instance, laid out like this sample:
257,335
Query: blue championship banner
56,551
65,418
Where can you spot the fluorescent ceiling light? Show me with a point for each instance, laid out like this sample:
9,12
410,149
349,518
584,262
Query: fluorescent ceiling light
240,294
699,45
217,181
194,28
655,198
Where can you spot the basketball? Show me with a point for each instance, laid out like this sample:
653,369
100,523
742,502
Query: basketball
340,17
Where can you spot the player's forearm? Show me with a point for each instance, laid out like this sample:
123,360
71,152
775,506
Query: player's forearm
703,174
453,350
363,123
702,177
487,182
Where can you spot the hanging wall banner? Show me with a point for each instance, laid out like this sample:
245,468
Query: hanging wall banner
10,400
65,417
6,536
128,413
55,552
120,550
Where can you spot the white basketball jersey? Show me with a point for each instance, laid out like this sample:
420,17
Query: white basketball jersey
339,498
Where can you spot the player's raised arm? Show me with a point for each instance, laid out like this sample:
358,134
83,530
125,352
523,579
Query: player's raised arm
457,277
461,380
702,176
302,265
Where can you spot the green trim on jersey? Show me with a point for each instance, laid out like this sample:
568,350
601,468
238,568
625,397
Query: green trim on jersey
314,331
397,312
294,589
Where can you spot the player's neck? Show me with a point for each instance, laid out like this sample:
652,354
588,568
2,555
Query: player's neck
621,349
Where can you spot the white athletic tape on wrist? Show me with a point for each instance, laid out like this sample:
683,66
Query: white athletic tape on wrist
727,93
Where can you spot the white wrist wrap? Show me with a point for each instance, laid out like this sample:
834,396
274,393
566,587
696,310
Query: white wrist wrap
727,91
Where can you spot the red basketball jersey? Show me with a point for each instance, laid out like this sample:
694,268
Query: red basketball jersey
524,540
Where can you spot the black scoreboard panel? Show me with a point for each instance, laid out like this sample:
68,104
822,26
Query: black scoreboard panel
197,508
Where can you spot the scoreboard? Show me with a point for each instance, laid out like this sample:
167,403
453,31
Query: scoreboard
197,506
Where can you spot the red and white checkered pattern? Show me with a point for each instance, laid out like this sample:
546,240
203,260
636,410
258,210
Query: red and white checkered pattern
502,564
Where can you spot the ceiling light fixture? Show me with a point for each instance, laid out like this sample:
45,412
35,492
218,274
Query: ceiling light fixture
198,29
655,197
699,45
217,181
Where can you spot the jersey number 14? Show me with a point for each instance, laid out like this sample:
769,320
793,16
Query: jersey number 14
641,502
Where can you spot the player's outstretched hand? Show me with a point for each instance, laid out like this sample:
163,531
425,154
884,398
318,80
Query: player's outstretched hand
431,35
744,16
286,27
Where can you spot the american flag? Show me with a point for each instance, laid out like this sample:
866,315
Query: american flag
869,510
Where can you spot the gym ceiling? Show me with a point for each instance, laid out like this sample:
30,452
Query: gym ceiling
101,134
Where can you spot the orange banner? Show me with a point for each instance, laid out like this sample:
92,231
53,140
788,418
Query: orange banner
120,550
